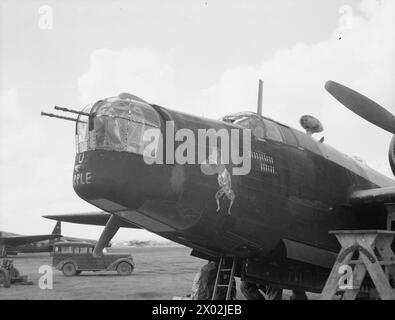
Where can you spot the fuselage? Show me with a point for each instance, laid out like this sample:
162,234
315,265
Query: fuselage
297,187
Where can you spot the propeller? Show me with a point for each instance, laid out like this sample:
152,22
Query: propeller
362,106
367,109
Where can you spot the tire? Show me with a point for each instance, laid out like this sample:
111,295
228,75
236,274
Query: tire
124,268
69,269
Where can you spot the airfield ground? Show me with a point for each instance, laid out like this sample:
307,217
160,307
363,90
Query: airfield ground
160,273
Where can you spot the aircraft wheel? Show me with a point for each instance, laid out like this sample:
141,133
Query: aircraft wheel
69,269
271,293
298,295
124,268
250,291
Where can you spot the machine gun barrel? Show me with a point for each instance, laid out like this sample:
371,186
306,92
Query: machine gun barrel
131,118
59,117
72,111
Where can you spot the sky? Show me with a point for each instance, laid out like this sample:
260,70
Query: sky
199,57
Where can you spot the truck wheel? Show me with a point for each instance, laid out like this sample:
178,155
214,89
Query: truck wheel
69,269
124,269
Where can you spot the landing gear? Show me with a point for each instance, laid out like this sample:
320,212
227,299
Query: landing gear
250,291
203,284
253,291
271,293
299,295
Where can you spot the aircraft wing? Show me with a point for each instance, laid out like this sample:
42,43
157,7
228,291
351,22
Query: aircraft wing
92,218
19,240
377,196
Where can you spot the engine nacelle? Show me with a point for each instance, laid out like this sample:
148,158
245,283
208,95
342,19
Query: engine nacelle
391,155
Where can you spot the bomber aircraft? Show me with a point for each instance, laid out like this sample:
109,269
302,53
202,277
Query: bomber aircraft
271,208
12,244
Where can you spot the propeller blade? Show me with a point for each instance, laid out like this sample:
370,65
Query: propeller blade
362,106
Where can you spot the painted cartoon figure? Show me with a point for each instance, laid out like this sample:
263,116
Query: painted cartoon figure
225,183
214,165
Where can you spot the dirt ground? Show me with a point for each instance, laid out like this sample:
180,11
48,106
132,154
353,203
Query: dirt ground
160,273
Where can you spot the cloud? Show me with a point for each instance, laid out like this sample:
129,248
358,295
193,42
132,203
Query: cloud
9,115
138,71
362,57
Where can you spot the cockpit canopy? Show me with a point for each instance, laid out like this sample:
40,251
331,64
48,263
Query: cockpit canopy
116,123
261,128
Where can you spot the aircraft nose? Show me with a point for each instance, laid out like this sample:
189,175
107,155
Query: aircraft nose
123,178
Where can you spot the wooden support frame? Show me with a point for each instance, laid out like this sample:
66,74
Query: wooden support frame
379,267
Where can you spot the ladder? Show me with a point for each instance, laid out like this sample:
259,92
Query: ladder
225,272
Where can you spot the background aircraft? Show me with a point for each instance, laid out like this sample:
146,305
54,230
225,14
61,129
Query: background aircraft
11,243
274,220
14,243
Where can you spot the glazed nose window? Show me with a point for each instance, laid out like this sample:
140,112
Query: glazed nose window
107,131
119,124
82,130
107,125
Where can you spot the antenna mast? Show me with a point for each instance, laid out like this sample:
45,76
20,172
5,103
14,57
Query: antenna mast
259,111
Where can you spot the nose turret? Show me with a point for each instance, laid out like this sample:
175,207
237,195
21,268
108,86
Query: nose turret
111,162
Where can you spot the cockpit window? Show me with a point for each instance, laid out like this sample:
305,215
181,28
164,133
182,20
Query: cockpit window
253,123
117,124
261,128
272,131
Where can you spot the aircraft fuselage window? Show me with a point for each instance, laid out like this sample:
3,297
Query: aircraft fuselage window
253,123
261,128
272,131
289,136
118,124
